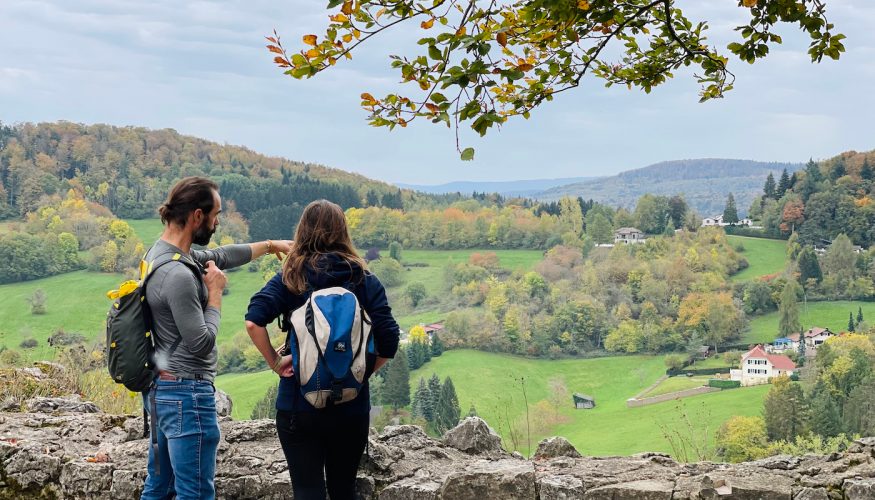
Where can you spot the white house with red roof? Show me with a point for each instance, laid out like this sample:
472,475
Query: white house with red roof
758,367
813,338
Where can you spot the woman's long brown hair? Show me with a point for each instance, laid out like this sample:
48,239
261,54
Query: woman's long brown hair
322,230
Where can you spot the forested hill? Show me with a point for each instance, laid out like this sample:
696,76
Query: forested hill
130,170
705,183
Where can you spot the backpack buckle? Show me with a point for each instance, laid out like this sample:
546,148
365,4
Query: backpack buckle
336,391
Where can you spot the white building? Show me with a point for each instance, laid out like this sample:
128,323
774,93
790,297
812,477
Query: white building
758,367
717,220
628,235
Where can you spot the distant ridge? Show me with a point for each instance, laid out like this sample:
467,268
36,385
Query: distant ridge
705,183
505,188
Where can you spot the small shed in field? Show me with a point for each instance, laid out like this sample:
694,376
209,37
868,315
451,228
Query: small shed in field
582,401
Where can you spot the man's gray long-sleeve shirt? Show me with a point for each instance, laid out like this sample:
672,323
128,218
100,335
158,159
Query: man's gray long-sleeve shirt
178,302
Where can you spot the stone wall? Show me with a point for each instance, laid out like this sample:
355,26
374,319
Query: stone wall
65,448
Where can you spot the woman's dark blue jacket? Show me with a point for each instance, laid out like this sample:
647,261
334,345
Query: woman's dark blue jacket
275,299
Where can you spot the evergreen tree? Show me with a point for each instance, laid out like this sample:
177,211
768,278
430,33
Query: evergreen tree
770,187
801,350
730,213
422,402
434,392
866,172
669,228
472,412
839,170
809,267
266,406
375,388
397,384
825,416
783,185
437,345
448,411
860,315
851,325
788,310
784,410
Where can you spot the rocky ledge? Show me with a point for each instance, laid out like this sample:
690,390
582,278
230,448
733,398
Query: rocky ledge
70,449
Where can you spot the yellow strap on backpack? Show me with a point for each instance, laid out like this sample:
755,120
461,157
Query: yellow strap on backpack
126,288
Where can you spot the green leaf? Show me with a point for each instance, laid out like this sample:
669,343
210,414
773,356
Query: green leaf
434,53
468,154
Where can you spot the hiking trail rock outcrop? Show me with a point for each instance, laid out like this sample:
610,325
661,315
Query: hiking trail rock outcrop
62,448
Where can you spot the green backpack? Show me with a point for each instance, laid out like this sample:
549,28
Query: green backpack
129,342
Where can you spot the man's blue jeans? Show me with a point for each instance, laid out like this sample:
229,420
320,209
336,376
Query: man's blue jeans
187,430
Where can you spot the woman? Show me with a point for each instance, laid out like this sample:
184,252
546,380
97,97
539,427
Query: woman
322,446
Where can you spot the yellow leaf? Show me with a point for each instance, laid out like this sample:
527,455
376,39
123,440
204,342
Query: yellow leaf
339,18
310,54
347,55
347,38
310,39
583,4
427,24
347,8
461,31
380,13
749,3
332,61
368,97
525,67
356,34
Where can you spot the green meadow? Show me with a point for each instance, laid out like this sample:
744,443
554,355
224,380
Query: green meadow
832,315
493,384
764,256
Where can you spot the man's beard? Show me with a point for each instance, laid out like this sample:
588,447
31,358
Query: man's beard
203,234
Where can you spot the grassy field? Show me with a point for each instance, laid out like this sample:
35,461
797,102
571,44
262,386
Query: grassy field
764,256
77,303
488,381
245,389
832,315
147,230
679,383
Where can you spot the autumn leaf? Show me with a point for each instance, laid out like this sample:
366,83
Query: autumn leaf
583,5
427,24
525,67
281,62
339,18
271,39
310,39
432,107
461,31
368,97
501,38
749,3
274,49
347,8
310,54
347,38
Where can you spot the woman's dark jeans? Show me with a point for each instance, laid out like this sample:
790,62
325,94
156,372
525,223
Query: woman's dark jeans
323,447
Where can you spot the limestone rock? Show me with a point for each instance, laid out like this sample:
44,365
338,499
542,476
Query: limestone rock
645,489
224,405
474,436
507,479
68,404
555,447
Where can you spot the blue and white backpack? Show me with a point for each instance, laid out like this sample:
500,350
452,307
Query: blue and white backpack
329,340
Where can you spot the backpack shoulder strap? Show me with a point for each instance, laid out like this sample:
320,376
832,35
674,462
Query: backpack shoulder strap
150,269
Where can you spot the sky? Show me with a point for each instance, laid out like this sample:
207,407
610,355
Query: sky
200,67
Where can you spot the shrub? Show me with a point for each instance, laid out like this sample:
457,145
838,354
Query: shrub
724,384
61,338
28,343
37,301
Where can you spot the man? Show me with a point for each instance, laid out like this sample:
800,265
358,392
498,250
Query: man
186,309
